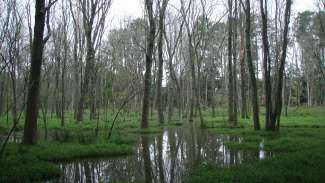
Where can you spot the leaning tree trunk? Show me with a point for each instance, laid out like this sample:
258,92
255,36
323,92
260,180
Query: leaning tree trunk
30,129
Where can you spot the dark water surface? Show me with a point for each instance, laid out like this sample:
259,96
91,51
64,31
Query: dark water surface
166,157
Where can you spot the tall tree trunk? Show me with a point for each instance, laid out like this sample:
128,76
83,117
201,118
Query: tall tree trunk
65,55
160,61
88,74
254,97
276,111
234,51
57,80
266,65
149,53
93,96
30,129
76,73
230,67
14,96
243,76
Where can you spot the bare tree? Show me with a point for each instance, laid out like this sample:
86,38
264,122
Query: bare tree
94,14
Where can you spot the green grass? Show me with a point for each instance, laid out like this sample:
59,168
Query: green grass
298,151
26,169
302,166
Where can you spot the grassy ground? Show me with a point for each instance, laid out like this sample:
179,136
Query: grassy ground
298,151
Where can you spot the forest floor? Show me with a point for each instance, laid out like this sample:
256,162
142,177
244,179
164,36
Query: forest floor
298,151
298,148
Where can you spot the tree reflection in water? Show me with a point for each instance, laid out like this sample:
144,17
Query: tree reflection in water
165,158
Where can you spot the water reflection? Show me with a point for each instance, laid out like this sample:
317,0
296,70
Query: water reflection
166,158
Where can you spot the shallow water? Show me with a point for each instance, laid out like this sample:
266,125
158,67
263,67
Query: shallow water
166,157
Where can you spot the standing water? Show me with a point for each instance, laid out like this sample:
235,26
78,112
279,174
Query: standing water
166,157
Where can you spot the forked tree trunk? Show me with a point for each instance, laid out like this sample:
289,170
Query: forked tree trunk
273,111
276,111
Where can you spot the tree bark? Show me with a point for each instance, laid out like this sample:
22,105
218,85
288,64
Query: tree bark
266,65
160,61
276,111
231,118
87,76
254,97
30,129
234,51
149,53
243,76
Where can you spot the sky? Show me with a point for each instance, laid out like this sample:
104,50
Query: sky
134,8
125,8
303,5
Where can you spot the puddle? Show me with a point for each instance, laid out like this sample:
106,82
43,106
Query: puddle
166,157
